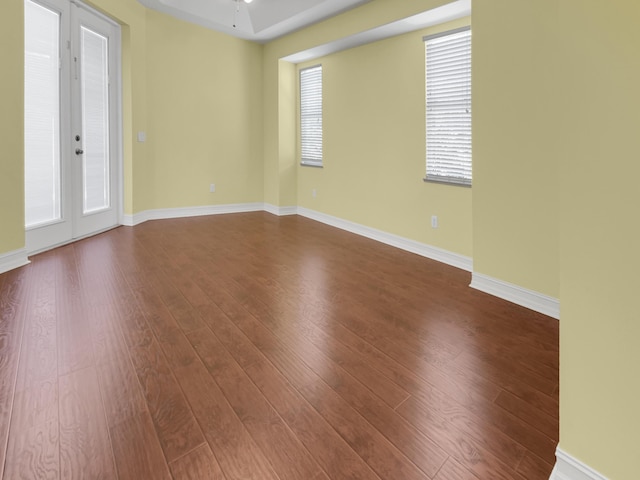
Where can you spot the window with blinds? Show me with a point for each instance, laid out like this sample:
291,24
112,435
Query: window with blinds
311,115
448,105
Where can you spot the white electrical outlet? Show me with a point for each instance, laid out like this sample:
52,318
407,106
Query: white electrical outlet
314,194
212,187
434,221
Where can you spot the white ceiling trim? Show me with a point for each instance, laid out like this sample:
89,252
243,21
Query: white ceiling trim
260,21
445,13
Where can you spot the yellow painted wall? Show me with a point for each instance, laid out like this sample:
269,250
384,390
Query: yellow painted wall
196,93
374,146
600,235
515,142
11,126
279,132
271,127
204,93
287,133
280,186
136,162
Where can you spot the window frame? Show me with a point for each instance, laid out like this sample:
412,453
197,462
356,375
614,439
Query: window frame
311,161
465,179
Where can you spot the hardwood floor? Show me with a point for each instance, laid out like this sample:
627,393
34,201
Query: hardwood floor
250,346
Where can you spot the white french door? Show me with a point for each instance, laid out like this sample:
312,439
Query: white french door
72,139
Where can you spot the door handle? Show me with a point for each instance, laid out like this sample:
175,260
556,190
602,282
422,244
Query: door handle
79,151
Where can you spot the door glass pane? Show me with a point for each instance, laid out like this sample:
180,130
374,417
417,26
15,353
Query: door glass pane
41,115
95,119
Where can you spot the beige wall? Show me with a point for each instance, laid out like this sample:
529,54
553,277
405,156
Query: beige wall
204,94
280,187
11,126
374,146
515,143
556,150
287,129
600,234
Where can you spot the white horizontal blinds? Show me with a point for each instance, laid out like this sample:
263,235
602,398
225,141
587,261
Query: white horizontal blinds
448,116
94,90
311,115
41,115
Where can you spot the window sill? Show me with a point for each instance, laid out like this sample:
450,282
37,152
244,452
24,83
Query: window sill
309,164
444,181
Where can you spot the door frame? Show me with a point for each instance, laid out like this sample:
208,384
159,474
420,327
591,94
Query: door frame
118,128
116,123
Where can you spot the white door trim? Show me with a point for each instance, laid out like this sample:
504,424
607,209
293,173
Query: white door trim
40,238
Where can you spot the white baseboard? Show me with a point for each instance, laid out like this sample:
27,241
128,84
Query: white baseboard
520,296
513,293
135,219
418,248
14,259
422,249
280,211
569,468
166,213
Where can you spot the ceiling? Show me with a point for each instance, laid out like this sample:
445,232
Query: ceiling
260,20
446,13
265,20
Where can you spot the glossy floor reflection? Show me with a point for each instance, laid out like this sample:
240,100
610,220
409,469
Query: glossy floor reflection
250,346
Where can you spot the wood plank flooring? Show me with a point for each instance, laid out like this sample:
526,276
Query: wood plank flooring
250,346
